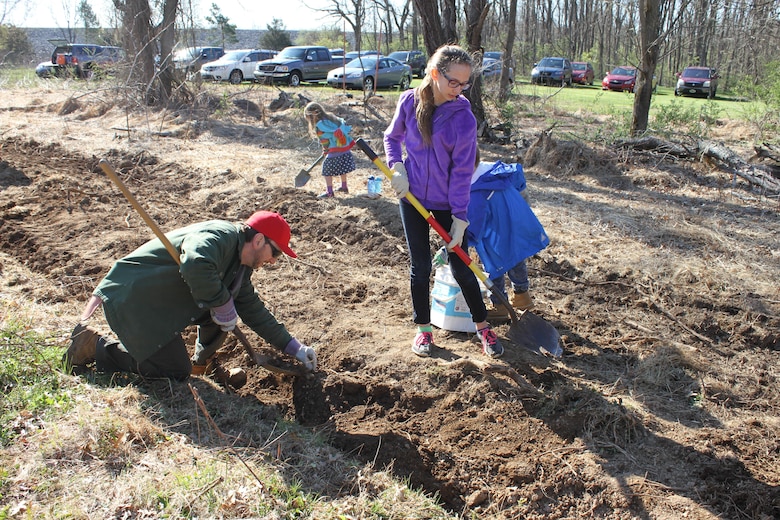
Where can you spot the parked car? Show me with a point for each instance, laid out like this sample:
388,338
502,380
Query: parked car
415,59
336,53
582,72
351,55
190,59
491,70
697,81
622,79
82,60
297,64
235,66
552,71
371,73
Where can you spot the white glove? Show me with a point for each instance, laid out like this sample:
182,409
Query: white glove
308,356
457,231
400,180
225,315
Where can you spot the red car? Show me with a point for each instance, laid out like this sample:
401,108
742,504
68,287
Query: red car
582,72
620,78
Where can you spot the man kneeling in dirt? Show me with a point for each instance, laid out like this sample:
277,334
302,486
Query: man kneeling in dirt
149,299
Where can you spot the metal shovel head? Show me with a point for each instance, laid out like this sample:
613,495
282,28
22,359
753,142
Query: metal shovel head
278,367
302,178
536,334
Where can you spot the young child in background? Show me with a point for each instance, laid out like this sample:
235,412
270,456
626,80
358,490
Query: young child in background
337,142
504,231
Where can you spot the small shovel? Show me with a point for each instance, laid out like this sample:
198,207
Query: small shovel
528,330
304,175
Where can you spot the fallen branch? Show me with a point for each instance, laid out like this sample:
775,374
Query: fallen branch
723,157
755,174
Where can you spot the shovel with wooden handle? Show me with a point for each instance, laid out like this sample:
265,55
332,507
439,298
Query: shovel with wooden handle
238,333
528,330
305,174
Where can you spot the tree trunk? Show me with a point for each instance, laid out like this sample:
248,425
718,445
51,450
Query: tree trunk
503,85
167,41
138,37
431,25
649,32
476,13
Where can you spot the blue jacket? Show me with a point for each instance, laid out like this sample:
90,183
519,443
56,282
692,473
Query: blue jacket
502,226
439,175
334,138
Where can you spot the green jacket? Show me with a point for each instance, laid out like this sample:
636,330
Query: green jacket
149,300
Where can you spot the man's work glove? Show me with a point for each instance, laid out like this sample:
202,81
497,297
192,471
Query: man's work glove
457,231
225,316
303,353
400,180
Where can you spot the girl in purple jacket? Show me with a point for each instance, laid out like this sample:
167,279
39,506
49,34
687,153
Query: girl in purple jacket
435,123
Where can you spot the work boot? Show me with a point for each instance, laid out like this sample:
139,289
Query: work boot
218,373
81,351
497,314
522,301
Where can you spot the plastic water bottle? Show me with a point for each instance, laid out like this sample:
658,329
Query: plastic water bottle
441,258
374,186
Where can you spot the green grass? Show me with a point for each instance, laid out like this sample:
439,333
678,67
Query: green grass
595,100
31,386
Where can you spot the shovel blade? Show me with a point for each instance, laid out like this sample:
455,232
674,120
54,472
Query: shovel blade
536,334
302,178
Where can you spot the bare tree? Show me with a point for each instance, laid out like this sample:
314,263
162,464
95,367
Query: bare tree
431,25
139,37
649,35
9,6
503,83
476,13
167,39
351,11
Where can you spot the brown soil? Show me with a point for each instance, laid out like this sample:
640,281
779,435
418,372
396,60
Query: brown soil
661,278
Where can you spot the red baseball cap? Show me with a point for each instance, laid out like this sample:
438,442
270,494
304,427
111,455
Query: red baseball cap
273,226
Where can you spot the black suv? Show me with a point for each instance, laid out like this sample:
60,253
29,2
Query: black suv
80,59
415,59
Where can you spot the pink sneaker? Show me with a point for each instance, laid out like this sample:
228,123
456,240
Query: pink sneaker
490,344
422,344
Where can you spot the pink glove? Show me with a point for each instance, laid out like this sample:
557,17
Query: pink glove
225,315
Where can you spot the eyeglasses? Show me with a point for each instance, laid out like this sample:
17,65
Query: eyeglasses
453,83
275,252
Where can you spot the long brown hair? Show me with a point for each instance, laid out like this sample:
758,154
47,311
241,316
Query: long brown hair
442,59
313,112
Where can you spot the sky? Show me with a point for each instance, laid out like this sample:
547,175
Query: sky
244,14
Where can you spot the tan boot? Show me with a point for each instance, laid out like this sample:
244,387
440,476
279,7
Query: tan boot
497,314
235,377
522,301
83,342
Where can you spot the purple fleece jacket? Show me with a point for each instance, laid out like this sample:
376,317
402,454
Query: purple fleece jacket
440,174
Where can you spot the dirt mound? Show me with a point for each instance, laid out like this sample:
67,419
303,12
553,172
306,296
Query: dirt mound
665,404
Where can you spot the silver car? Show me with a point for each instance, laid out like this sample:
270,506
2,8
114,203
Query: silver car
370,73
235,66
